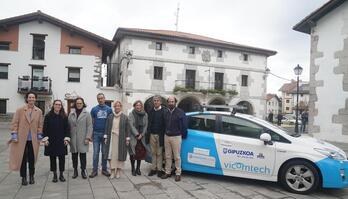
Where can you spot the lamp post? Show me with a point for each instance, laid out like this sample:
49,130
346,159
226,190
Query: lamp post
298,70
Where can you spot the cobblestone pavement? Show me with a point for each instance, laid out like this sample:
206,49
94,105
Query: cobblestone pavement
193,185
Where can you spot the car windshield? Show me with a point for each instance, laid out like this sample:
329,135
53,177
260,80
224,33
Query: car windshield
267,124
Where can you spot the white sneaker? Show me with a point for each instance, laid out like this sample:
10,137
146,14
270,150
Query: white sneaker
112,176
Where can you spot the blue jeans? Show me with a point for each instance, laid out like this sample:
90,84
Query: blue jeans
98,144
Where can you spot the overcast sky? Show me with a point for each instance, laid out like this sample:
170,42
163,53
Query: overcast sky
265,24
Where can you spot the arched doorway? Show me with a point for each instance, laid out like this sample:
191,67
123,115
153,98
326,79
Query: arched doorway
148,105
189,104
217,101
248,108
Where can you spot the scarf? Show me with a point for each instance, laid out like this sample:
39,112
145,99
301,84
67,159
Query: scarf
138,120
117,114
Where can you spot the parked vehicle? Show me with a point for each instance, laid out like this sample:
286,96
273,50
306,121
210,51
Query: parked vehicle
290,119
245,146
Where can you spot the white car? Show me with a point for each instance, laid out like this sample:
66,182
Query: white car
245,146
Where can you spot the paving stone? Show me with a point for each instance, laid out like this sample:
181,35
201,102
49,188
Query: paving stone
215,188
130,195
202,194
229,195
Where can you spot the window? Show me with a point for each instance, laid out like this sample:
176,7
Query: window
244,80
301,95
73,74
202,123
269,103
108,102
3,106
190,79
245,57
287,108
3,71
219,53
287,101
158,45
240,127
4,45
41,105
158,73
192,50
75,50
219,81
38,47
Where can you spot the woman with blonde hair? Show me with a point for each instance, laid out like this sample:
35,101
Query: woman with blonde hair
116,138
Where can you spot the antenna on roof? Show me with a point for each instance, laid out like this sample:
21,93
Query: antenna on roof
177,17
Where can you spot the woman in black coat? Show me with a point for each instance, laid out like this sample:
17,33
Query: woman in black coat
56,138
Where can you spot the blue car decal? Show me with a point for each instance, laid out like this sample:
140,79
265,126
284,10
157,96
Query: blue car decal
332,172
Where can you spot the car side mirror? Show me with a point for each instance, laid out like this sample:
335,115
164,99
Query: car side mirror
266,138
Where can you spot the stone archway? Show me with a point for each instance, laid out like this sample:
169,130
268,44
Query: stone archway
148,105
249,108
189,104
218,101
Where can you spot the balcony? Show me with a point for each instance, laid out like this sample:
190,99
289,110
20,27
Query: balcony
205,87
41,86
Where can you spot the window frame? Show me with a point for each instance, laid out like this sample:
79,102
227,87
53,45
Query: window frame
77,80
38,47
5,44
192,50
244,82
245,57
74,48
216,123
159,46
160,75
219,54
5,102
4,65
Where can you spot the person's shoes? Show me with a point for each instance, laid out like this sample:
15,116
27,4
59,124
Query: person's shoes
118,174
137,171
160,173
93,174
75,174
112,176
31,179
106,173
61,177
165,176
133,172
177,178
84,174
152,172
24,181
55,178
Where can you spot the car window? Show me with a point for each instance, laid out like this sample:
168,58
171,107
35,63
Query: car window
240,127
202,122
276,137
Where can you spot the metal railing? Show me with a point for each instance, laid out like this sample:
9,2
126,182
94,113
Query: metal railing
39,85
199,85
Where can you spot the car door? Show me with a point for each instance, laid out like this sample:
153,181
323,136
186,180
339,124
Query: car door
198,150
240,150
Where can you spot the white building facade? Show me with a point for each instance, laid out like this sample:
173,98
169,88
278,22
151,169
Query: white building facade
328,103
52,58
273,104
199,69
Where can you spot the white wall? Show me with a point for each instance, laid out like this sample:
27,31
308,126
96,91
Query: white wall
331,96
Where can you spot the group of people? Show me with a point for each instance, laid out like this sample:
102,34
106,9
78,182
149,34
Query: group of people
113,134
280,117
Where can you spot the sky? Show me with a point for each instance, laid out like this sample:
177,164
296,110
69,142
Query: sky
264,24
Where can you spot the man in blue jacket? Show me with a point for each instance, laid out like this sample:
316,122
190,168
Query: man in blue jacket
176,130
99,114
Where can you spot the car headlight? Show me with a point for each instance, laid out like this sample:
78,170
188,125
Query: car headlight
331,153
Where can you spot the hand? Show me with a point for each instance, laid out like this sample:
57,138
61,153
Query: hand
139,136
66,142
87,141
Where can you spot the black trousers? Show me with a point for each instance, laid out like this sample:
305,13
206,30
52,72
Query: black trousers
83,158
53,161
28,157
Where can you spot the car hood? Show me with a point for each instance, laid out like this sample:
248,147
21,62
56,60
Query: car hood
317,143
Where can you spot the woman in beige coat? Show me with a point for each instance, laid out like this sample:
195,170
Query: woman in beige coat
81,129
26,134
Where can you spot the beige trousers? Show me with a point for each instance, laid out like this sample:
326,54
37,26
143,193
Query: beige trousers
172,145
156,153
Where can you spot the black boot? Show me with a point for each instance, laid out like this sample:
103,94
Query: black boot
54,177
137,171
84,174
75,174
133,168
24,181
61,177
31,179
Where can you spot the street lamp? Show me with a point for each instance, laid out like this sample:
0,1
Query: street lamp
298,70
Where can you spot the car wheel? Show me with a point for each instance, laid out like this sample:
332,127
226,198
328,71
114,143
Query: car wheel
300,177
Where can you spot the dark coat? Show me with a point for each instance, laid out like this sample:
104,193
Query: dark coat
151,114
134,132
56,128
123,135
